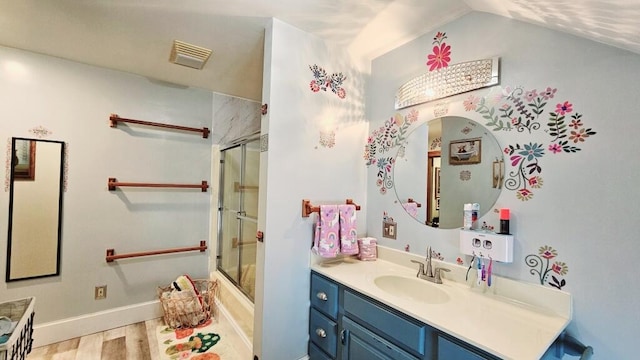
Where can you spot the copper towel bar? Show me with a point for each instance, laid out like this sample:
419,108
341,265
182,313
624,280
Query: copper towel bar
114,119
307,208
112,183
410,200
111,252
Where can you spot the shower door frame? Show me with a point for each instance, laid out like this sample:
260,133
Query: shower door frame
240,215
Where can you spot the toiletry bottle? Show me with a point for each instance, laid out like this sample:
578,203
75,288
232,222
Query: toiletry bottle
504,221
475,210
467,219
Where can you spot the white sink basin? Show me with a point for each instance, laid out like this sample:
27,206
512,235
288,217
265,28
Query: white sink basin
412,288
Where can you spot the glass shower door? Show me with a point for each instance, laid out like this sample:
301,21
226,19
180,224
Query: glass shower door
239,215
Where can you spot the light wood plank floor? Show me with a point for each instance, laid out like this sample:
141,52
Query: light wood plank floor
132,342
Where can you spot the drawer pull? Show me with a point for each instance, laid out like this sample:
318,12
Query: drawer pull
320,332
322,296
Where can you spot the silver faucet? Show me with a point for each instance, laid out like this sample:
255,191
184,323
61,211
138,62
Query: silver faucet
428,274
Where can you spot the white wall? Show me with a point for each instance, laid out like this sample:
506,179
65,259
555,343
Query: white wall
585,207
73,102
295,167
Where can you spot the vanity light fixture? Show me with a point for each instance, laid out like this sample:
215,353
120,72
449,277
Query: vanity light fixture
189,55
448,81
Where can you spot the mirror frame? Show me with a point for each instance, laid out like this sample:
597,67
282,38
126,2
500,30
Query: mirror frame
60,188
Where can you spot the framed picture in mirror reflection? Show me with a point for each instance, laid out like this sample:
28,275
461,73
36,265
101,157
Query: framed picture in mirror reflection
465,151
24,160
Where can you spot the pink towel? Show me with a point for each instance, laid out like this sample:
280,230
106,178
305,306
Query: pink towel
411,208
326,242
348,229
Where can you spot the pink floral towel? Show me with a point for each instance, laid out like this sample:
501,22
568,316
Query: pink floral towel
411,208
326,242
348,229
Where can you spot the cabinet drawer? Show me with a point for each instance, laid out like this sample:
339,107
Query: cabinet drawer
323,332
324,296
399,329
317,354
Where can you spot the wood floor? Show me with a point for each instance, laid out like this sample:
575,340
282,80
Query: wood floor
132,342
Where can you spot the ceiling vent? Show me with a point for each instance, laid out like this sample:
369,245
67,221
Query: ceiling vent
189,55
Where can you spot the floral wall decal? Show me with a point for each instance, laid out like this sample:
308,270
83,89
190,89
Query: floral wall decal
524,111
465,175
328,138
7,173
441,109
441,55
40,132
541,266
383,140
436,255
324,81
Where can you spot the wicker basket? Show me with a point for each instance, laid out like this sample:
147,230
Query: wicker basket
18,345
184,309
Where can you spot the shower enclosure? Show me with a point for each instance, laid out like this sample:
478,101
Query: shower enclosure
238,214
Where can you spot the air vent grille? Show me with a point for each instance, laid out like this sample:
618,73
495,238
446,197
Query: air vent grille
189,55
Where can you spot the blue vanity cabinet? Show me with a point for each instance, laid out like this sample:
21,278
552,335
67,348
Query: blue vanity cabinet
347,325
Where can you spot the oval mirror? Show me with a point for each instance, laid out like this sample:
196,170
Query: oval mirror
35,203
445,163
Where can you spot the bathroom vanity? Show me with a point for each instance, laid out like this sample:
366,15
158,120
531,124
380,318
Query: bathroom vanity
380,310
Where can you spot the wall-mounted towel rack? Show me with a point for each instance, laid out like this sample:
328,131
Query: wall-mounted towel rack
111,256
112,183
114,119
410,200
237,187
307,208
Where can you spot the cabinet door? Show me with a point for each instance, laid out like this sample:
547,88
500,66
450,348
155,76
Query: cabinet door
448,349
359,343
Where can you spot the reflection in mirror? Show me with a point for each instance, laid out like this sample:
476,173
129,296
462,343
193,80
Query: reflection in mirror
35,205
443,164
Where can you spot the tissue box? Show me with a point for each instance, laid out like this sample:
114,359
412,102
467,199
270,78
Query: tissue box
368,249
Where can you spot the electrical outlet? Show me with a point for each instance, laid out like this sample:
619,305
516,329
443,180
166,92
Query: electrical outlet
101,292
389,229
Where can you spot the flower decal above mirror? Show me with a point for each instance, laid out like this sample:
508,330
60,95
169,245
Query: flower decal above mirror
441,52
527,111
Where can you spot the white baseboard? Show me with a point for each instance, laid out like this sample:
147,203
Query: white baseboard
65,329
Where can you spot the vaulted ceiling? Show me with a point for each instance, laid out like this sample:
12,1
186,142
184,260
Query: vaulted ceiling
136,35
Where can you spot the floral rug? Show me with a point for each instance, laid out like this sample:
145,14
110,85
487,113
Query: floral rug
205,342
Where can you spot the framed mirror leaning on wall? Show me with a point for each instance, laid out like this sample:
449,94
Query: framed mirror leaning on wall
35,208
445,163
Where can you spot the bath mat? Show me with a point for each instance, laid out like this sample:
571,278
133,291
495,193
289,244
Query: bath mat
206,342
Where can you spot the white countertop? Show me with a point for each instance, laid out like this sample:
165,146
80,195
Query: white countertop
510,327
